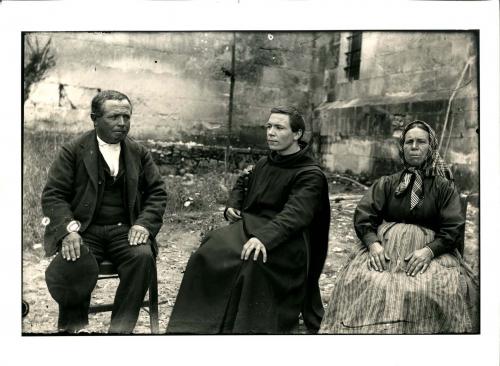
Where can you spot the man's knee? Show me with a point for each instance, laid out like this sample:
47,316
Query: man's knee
143,254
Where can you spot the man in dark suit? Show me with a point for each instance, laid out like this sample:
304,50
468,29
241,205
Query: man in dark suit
104,198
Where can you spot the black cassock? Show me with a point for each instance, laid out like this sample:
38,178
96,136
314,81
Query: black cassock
284,203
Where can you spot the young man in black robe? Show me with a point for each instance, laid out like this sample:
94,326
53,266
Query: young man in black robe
258,274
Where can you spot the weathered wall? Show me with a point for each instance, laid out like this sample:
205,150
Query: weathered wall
179,85
178,82
403,76
167,76
272,69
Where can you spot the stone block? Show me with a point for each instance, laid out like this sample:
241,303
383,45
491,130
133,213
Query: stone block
267,96
440,53
360,88
333,55
398,83
398,108
417,60
322,38
390,42
347,156
299,61
447,78
340,92
298,98
243,91
367,66
421,82
462,149
251,114
471,119
431,106
389,64
348,90
385,149
376,86
473,75
465,120
465,104
279,77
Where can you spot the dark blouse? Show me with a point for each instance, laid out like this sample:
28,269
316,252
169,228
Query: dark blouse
440,211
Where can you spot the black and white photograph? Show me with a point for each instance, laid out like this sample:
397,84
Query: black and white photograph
375,221
256,184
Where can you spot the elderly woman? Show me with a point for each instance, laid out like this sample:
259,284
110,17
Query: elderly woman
408,276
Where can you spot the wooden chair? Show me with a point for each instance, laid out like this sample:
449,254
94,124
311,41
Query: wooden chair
108,271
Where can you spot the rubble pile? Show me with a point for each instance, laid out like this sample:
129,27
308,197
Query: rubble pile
191,157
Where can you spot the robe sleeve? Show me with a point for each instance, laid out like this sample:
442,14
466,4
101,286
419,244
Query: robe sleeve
237,195
297,213
240,188
451,220
368,213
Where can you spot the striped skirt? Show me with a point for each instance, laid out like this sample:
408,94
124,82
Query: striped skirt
390,302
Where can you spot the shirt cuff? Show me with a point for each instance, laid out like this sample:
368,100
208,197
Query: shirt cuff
432,253
437,247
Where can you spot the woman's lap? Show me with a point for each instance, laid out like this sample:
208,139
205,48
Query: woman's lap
365,301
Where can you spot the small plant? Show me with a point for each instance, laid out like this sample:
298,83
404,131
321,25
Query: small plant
38,60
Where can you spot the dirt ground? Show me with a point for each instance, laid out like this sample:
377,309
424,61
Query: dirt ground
179,236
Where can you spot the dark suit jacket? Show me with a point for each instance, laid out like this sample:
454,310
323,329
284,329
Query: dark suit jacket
72,186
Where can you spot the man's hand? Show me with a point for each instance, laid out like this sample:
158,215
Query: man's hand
138,235
378,258
419,260
70,248
233,214
252,244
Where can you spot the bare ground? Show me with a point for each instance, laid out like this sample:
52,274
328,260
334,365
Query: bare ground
178,238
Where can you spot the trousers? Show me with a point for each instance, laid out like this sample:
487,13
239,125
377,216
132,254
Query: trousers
134,265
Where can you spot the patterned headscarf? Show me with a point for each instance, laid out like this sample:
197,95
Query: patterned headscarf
433,165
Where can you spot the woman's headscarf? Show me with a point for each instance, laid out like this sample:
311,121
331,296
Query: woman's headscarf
433,165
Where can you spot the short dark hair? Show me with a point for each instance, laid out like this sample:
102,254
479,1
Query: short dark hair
294,116
103,96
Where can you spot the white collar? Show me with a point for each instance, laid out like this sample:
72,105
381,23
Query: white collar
103,143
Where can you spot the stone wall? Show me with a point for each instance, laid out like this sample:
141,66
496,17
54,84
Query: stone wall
283,64
403,76
179,82
190,158
174,90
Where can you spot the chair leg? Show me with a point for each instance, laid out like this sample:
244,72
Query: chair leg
153,303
